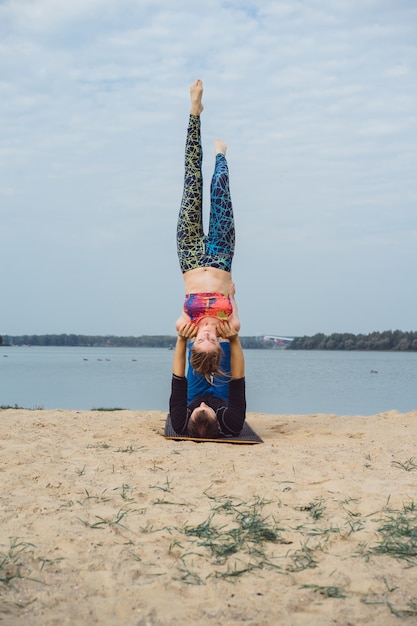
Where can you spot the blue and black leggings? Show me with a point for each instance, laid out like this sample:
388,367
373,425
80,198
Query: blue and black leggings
195,249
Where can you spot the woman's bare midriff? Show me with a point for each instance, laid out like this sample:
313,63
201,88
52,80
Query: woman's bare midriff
207,279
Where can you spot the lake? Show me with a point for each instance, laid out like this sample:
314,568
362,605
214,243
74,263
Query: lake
278,381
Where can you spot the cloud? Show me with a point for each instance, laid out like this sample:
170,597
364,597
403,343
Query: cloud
317,103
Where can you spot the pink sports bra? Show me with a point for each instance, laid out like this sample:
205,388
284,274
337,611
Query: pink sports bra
199,305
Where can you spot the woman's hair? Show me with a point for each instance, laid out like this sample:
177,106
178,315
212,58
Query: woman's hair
203,425
207,363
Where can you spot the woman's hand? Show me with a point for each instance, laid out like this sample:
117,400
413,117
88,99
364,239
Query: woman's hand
226,330
187,330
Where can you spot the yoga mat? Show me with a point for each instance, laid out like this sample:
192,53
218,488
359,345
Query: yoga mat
247,435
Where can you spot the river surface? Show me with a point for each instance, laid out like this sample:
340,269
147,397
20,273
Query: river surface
278,381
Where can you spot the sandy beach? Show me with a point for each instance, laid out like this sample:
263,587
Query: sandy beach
104,521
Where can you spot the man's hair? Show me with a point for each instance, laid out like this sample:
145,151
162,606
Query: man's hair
207,363
203,426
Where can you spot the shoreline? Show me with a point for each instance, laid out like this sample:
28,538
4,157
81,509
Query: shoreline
105,521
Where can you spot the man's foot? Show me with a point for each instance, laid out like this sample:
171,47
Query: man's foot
220,147
196,93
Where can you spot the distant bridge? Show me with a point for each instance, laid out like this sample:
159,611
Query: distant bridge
278,339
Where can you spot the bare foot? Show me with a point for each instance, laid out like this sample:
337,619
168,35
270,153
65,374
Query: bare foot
220,147
196,93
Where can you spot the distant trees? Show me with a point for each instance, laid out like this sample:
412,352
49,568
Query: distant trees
148,341
109,341
388,340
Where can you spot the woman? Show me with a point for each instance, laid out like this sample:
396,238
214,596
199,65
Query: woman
211,401
206,261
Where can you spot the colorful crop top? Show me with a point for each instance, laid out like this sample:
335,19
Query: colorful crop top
199,305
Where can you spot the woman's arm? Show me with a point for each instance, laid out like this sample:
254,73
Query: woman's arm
182,320
234,318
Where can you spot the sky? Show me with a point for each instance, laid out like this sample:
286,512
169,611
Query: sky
317,101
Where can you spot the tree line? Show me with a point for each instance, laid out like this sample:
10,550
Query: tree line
387,340
112,341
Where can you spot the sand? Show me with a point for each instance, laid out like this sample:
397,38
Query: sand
104,521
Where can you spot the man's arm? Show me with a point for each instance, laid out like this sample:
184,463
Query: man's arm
178,362
178,400
232,417
237,361
178,397
178,411
185,331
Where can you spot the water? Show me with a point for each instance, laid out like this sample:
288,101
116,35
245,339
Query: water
344,383
278,381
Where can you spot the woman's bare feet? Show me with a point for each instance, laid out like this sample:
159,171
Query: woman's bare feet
196,93
220,147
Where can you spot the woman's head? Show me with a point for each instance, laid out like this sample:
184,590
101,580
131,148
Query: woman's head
206,363
206,353
203,423
206,339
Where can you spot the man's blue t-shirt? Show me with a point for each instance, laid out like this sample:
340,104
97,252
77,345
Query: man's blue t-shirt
198,386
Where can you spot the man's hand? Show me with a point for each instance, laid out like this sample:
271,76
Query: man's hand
187,330
226,331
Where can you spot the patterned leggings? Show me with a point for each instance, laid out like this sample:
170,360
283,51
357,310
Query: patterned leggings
195,249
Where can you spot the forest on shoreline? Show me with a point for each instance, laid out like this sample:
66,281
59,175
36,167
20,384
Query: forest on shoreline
112,341
389,340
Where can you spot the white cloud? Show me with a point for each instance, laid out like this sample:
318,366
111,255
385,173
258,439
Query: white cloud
316,100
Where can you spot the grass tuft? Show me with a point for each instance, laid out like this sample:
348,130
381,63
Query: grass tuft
409,465
399,534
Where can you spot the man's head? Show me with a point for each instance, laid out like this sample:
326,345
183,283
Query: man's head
203,423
